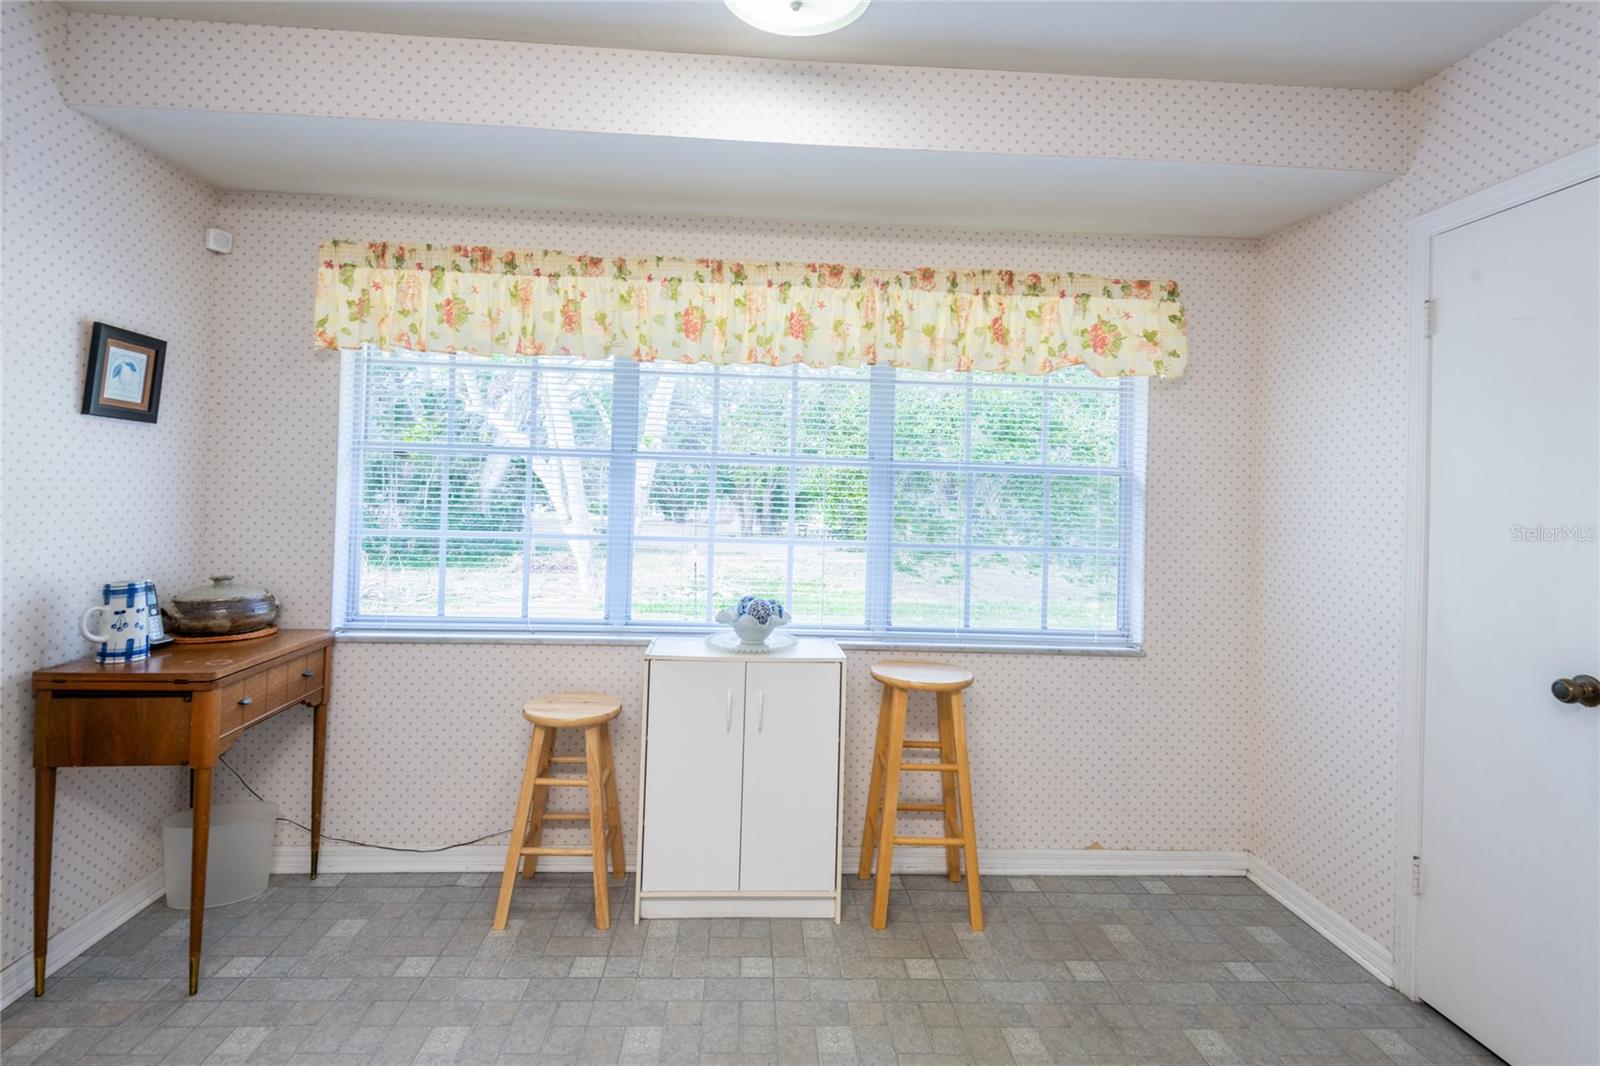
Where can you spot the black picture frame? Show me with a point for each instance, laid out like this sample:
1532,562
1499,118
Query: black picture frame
124,376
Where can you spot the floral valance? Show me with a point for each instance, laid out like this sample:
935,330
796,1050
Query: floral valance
498,301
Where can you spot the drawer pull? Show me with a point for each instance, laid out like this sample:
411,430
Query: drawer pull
247,701
761,711
727,722
308,673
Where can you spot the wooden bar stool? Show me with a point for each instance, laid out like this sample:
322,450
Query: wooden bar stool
591,712
899,679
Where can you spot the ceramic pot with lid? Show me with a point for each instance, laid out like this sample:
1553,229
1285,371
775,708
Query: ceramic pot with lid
221,609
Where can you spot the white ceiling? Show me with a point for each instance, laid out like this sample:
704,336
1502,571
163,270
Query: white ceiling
505,166
1346,43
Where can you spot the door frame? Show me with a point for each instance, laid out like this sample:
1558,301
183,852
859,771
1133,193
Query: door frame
1541,181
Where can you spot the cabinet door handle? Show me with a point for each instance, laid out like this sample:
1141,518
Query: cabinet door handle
761,710
727,722
308,673
246,701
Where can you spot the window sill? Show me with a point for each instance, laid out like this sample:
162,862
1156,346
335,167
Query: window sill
643,639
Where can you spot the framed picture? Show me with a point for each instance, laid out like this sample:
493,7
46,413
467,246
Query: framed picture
124,374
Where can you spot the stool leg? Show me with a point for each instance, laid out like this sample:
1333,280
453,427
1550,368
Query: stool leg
619,868
502,907
894,741
947,786
969,831
874,788
597,826
541,799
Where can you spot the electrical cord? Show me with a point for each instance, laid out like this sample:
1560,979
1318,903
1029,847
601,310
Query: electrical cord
344,840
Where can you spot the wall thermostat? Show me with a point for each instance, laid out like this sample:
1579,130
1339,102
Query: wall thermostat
219,240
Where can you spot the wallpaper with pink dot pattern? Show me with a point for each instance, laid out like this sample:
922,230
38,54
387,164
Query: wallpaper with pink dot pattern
1329,407
87,500
1276,508
426,742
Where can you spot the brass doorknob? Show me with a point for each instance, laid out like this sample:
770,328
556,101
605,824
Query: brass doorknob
1580,688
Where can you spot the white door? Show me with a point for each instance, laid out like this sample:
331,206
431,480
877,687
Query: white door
791,778
693,765
1507,933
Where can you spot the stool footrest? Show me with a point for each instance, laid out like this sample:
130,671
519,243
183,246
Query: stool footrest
557,851
932,745
930,767
931,808
562,782
579,759
566,816
930,842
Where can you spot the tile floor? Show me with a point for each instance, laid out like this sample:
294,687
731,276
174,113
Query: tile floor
397,968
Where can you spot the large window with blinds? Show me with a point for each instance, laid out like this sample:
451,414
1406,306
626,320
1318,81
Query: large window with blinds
609,496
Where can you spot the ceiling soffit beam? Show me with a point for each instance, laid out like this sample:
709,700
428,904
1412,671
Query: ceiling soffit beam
118,61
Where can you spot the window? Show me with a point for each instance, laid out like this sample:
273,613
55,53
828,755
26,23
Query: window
566,495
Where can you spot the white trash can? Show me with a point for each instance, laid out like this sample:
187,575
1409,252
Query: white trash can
239,858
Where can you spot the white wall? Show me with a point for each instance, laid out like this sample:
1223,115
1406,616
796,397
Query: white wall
94,229
425,741
1330,509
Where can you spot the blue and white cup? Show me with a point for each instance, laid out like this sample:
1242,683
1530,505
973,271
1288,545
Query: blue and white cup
120,623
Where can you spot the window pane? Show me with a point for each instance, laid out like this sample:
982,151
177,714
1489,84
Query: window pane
483,578
1083,592
671,498
572,404
568,581
831,417
925,589
1006,587
570,496
750,570
1085,512
753,412
830,586
406,404
669,582
401,490
1083,428
488,492
399,576
493,402
930,507
1007,425
830,502
752,501
1007,509
929,420
674,408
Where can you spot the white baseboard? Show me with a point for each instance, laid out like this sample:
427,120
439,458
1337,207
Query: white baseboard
16,980
1020,862
1334,927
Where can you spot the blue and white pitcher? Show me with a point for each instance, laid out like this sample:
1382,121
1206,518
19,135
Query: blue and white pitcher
120,624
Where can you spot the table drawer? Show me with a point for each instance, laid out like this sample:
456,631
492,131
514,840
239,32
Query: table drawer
305,675
245,700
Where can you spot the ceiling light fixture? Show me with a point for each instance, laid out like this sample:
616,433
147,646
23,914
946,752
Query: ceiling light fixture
798,18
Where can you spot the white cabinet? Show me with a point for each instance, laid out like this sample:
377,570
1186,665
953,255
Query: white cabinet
740,807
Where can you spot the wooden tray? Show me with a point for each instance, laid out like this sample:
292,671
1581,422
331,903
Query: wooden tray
254,634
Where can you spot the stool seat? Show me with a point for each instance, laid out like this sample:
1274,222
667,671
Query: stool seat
921,676
571,710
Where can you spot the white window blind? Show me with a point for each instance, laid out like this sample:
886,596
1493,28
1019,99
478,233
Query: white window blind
555,494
